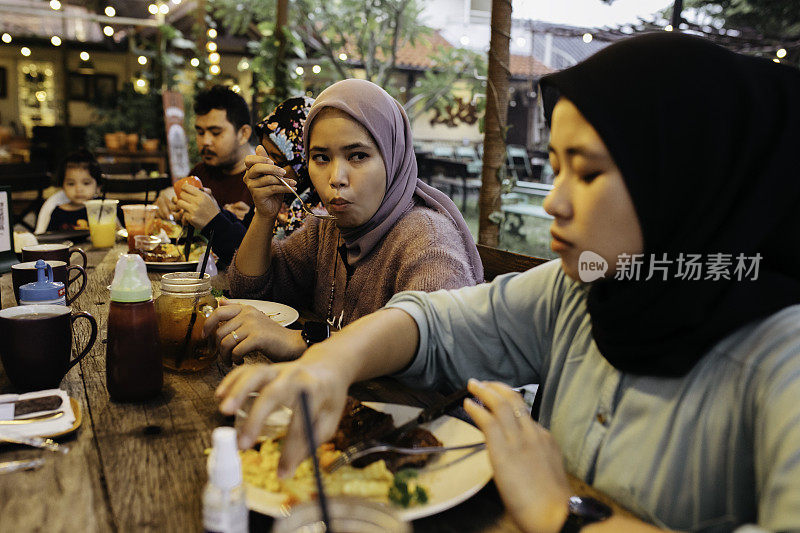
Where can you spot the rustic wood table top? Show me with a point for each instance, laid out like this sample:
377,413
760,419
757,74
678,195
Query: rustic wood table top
141,466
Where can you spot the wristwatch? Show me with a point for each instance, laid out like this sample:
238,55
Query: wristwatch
314,332
584,511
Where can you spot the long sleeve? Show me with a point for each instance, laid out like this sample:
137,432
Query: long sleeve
228,234
291,275
500,330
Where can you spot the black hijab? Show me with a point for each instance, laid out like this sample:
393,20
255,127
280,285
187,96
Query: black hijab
707,141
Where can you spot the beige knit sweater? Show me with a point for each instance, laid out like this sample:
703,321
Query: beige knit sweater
423,251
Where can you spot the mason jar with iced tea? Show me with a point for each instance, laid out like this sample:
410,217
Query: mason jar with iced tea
184,295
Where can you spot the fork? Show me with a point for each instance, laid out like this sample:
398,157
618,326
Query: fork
354,452
303,204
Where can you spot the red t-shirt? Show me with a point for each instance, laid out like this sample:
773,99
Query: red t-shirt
225,188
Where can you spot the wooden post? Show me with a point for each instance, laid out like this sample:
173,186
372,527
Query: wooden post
280,83
494,146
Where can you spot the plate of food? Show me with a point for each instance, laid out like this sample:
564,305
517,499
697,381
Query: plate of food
169,258
416,486
280,313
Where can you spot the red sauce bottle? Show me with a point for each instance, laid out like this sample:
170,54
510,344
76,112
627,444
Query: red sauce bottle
134,369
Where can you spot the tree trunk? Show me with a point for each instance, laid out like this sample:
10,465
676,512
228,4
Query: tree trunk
494,146
281,89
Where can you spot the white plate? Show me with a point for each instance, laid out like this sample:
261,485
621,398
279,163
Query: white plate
285,314
176,266
449,479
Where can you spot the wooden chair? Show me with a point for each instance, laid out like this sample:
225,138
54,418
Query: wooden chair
496,261
30,179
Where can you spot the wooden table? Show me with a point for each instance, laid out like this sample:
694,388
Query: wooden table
141,466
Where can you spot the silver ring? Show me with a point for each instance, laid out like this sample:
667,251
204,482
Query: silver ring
517,413
235,336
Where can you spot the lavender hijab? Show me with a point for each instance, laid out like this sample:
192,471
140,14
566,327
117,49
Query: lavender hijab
385,119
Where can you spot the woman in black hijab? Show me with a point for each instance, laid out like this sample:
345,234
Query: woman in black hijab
674,388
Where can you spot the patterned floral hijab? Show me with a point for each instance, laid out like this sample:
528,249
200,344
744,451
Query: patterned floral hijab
284,128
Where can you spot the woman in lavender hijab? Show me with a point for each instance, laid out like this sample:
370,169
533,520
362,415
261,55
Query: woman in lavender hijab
392,232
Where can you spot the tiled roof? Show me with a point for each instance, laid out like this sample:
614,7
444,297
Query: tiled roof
419,57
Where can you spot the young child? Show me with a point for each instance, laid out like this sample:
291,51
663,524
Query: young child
80,177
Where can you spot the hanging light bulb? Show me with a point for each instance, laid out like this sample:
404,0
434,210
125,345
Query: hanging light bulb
108,31
55,40
6,38
194,62
214,69
163,9
343,57
84,56
110,11
587,37
299,71
140,83
212,33
152,9
25,51
55,5
316,69
781,53
213,57
243,64
142,60
236,88
211,46
668,27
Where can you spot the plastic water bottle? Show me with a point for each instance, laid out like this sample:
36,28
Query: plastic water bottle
224,507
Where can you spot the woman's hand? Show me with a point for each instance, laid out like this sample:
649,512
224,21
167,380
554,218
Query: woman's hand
528,466
266,189
241,329
280,384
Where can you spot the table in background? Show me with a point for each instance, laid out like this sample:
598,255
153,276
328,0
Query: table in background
138,157
142,466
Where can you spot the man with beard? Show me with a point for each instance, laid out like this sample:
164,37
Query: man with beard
222,126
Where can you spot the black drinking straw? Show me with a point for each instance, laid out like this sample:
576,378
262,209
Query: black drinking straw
193,318
312,446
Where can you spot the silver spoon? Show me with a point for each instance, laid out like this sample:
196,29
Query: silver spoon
303,204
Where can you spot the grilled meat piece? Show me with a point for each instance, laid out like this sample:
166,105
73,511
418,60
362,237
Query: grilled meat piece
358,423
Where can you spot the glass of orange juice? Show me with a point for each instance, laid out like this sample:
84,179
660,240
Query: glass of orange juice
139,219
102,215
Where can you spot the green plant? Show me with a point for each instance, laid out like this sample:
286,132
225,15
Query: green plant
133,113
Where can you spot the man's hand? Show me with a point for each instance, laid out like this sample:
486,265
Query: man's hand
241,329
240,209
198,206
166,205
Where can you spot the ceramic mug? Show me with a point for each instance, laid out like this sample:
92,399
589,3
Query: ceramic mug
23,273
37,344
51,252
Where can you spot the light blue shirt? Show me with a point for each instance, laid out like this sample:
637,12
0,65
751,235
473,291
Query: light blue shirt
712,450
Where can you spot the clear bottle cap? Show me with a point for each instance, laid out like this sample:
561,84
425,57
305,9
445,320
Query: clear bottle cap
131,283
224,464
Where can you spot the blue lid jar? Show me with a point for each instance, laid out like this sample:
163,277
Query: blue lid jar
44,290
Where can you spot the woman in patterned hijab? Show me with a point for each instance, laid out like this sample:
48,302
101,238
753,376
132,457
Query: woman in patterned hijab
281,135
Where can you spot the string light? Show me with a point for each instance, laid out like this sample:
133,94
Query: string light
781,53
41,96
152,9
343,57
55,40
108,31
236,88
587,38
211,46
6,38
214,69
213,57
55,5
776,60
140,83
668,27
163,9
84,56
142,60
316,69
243,65
110,11
299,71
195,62
212,33
176,2
25,51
